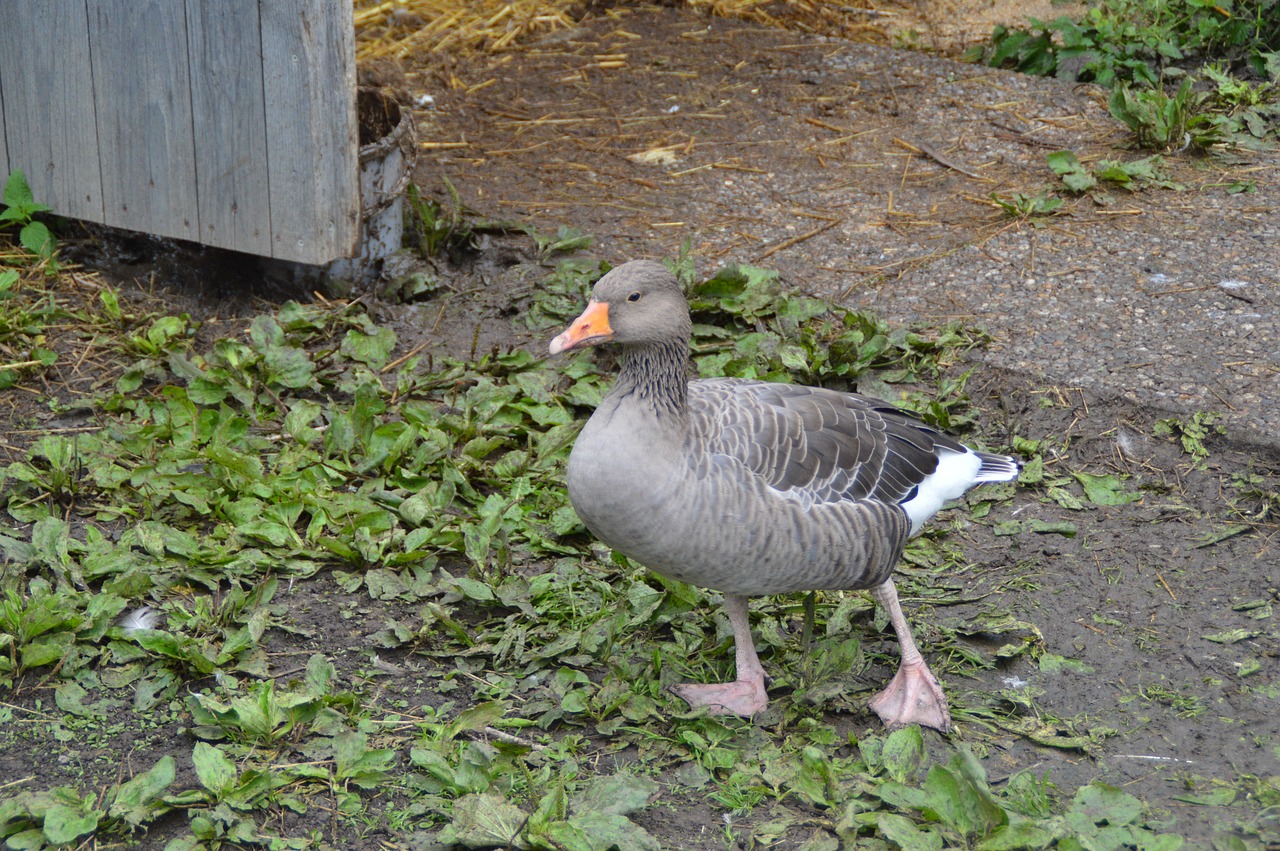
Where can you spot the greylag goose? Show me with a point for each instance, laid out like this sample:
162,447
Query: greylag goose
753,487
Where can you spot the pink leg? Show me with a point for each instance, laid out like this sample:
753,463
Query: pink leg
744,696
914,696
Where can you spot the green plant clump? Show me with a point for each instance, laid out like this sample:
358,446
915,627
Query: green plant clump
20,209
151,566
1177,70
1136,40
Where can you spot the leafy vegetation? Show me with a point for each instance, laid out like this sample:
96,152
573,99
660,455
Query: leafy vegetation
1148,52
1027,207
20,209
1192,432
227,491
1147,171
1137,40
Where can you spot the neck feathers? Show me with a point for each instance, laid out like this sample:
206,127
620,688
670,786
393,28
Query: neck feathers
655,374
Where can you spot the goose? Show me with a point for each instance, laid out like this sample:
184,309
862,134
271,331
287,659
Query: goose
753,487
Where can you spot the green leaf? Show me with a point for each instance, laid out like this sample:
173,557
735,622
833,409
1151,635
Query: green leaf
52,539
35,237
373,348
1231,636
903,753
906,834
215,771
1020,835
959,794
477,718
69,697
1219,797
1100,804
17,194
1105,489
47,649
1051,663
248,466
1062,527
617,794
486,821
356,763
64,825
604,831
138,800
288,367
1063,162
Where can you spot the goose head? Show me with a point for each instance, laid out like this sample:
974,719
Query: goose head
638,303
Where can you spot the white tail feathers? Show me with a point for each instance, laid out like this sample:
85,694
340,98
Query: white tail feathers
996,468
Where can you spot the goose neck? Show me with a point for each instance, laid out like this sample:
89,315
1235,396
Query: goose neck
655,373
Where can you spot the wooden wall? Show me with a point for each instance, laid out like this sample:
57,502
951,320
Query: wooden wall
227,122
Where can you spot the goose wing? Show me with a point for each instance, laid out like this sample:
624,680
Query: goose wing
820,445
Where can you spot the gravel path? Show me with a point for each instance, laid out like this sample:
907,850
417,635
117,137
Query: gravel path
866,174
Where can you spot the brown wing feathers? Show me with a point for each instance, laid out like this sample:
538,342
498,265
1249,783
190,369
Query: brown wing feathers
832,445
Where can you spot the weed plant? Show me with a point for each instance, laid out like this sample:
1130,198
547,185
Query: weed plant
1188,74
148,566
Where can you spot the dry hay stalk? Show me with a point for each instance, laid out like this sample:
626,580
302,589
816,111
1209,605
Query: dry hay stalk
396,28
846,18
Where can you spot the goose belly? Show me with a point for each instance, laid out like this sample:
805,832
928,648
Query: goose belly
746,540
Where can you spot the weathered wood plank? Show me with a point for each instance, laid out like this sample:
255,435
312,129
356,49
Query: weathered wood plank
230,122
142,95
4,146
308,49
225,47
47,128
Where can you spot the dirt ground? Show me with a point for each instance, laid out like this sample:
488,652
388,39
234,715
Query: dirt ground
863,174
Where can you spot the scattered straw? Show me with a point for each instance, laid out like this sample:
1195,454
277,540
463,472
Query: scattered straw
396,28
393,29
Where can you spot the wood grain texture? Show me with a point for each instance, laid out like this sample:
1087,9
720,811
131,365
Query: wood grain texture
143,95
225,47
228,122
4,147
309,82
47,127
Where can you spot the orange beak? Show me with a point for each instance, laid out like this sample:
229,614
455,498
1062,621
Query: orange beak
589,329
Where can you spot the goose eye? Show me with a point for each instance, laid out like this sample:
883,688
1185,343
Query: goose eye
633,297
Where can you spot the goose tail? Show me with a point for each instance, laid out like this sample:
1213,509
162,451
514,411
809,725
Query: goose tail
996,468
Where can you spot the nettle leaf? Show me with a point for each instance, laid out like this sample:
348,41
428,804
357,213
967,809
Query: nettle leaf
906,834
1063,527
247,466
14,550
959,795
1052,663
617,794
18,197
1100,804
52,540
603,831
69,697
1020,836
297,423
1074,175
47,649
